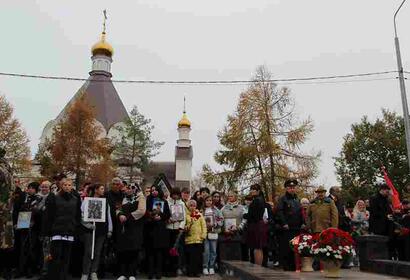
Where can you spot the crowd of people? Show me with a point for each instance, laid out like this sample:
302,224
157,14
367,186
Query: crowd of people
45,230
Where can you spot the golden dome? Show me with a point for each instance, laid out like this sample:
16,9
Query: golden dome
184,122
102,47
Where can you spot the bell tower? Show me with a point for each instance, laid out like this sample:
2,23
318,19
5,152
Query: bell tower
183,153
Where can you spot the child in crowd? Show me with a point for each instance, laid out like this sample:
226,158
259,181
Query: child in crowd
195,235
101,231
175,226
214,222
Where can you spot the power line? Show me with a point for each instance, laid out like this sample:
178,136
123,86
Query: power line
339,82
319,79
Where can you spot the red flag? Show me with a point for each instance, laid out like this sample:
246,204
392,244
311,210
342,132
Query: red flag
395,194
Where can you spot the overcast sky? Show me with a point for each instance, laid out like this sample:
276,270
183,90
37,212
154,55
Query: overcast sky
207,40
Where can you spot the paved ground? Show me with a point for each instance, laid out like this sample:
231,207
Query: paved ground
353,274
244,270
346,274
214,277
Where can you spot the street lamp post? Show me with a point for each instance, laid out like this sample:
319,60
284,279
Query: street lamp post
402,86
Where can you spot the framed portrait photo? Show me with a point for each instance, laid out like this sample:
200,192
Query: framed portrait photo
210,220
177,212
24,220
164,188
230,224
158,205
94,209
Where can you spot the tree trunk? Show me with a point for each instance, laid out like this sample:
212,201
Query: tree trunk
265,189
268,128
77,181
134,140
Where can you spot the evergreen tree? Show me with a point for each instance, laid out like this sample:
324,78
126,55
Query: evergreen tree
134,144
368,147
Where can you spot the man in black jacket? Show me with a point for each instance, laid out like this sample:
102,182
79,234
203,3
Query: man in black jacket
114,199
62,217
344,221
291,220
380,211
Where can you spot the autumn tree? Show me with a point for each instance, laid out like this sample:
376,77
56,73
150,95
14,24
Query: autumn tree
48,168
13,139
262,139
368,147
102,171
134,144
198,182
223,181
77,145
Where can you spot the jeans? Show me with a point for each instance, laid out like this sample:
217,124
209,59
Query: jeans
209,253
90,266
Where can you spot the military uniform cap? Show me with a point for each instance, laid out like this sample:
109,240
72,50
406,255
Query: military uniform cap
291,183
320,189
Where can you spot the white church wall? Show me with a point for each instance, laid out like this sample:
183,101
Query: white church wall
114,132
183,170
184,133
47,132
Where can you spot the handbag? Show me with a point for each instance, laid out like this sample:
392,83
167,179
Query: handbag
212,236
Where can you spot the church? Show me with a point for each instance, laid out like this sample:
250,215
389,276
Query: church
110,113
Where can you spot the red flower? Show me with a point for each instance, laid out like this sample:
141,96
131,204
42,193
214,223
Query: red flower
404,231
195,215
173,252
334,244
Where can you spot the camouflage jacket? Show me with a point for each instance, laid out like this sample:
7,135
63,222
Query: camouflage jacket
6,227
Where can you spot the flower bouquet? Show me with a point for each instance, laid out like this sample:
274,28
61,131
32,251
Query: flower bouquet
173,252
302,246
400,230
404,231
333,247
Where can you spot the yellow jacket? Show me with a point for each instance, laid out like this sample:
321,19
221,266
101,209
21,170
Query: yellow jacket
195,229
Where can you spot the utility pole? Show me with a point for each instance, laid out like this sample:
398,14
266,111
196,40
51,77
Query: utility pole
402,86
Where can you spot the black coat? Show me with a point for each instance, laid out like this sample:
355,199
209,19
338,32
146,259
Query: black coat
344,221
290,212
62,214
379,209
129,236
114,200
156,233
29,203
256,210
